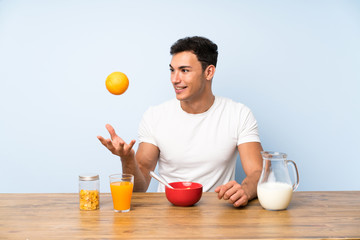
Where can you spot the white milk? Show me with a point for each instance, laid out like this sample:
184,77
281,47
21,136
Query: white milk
274,195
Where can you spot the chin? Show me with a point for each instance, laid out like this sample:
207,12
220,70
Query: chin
180,98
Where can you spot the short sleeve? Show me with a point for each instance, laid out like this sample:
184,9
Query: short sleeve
146,126
247,128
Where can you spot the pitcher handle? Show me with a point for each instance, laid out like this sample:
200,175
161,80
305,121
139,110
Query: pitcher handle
296,173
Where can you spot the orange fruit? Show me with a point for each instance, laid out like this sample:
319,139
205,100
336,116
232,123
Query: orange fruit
117,83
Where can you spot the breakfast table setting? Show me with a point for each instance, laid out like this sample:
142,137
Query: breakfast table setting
183,211
310,215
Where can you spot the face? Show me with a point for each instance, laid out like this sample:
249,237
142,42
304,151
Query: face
187,77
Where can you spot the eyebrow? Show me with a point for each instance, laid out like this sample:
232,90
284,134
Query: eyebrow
181,67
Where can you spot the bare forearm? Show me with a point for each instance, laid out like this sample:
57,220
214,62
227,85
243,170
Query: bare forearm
249,184
132,167
251,159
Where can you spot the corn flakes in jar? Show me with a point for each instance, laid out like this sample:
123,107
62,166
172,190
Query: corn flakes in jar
89,194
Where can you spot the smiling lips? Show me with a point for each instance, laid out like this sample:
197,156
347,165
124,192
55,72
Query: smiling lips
179,89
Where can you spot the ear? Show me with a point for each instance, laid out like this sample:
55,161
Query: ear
209,72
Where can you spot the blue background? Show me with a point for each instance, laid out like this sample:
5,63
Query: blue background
294,63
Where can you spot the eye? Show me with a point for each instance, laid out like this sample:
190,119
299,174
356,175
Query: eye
171,70
185,70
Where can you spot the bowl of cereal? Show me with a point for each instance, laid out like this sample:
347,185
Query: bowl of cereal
184,194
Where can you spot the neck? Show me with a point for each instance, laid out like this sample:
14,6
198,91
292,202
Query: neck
198,106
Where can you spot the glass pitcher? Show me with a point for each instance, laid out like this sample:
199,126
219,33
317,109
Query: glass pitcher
275,187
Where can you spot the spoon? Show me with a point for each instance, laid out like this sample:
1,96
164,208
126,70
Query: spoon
160,179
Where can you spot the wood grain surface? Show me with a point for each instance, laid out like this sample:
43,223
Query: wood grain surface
311,215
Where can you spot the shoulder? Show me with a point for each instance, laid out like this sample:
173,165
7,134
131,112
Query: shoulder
234,111
231,105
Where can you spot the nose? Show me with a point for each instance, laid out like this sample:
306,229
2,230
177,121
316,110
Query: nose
175,77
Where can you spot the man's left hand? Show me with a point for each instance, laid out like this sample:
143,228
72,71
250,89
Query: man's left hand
234,193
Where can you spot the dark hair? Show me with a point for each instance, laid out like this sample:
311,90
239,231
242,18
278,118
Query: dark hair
205,50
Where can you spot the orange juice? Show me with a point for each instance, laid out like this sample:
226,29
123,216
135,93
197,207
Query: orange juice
121,194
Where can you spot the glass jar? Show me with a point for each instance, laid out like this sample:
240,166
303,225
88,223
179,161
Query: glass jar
89,191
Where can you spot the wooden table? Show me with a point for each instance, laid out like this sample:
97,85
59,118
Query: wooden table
311,215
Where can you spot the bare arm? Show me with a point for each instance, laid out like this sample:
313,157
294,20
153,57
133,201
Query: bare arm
140,164
251,160
146,159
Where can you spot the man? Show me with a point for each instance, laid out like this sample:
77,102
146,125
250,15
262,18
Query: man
195,137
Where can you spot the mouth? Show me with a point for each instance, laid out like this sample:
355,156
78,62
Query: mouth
179,89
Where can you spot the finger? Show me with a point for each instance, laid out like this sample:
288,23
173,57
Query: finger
243,201
111,130
109,145
131,144
102,140
217,190
239,193
230,193
225,188
222,191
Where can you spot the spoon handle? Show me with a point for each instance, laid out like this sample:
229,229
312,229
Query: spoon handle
160,179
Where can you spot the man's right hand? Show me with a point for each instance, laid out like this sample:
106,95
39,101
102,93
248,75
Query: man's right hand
116,145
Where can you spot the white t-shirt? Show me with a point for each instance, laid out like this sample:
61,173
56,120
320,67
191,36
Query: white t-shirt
198,147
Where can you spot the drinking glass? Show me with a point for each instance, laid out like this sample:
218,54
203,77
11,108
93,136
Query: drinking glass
121,186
